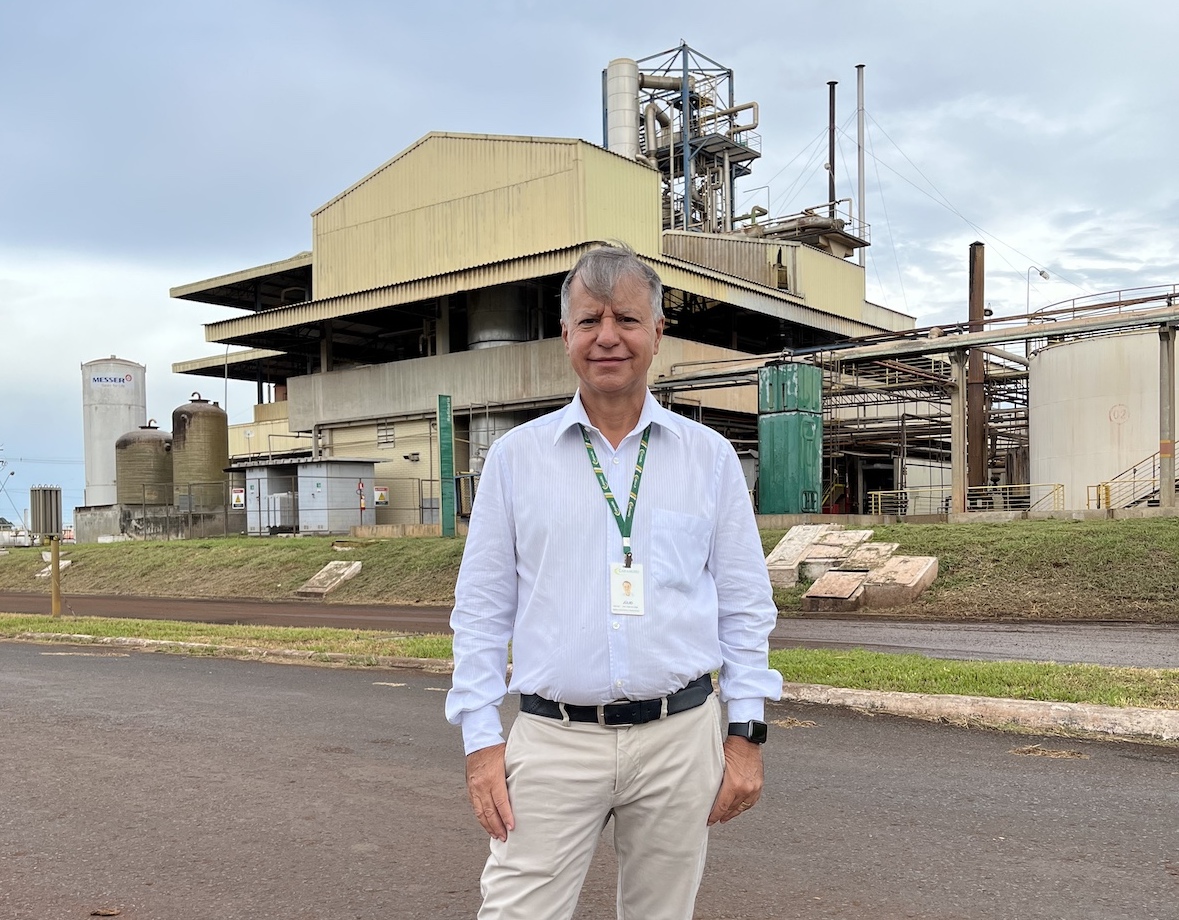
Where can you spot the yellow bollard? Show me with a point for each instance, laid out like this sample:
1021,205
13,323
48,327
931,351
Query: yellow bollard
55,575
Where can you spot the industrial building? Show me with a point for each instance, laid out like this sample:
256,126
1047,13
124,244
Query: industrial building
439,272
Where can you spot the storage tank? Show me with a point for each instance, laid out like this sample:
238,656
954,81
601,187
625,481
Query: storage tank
143,466
200,454
114,401
497,316
1093,410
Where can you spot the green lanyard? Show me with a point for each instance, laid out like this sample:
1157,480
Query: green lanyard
624,523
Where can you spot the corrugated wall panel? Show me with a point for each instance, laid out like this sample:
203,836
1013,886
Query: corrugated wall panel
752,259
829,284
622,201
452,202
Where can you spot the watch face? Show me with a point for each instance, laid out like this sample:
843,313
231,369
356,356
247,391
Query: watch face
752,730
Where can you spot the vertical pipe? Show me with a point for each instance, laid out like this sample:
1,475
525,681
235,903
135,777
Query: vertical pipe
686,118
605,114
1166,417
727,196
55,575
958,432
860,153
831,145
976,434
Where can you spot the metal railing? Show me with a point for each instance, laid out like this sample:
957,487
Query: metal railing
937,499
1130,487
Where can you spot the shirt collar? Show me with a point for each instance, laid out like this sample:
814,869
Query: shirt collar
653,414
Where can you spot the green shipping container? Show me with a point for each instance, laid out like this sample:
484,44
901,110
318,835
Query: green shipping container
790,388
790,462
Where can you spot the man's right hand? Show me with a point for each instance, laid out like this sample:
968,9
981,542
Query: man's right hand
487,787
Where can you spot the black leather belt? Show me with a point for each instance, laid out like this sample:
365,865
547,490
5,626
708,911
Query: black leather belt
623,712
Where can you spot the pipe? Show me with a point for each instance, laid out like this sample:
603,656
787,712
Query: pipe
860,152
655,119
686,132
976,421
660,81
733,110
831,145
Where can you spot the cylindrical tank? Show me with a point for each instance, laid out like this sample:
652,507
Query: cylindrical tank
497,316
143,466
622,107
485,429
200,454
114,401
1093,410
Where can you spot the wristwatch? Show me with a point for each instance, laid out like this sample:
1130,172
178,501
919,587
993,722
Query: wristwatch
752,730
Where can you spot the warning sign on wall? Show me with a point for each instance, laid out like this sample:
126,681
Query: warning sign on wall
382,495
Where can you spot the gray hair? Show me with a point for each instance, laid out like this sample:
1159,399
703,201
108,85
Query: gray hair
601,269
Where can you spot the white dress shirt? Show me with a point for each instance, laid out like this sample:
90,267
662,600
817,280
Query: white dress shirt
535,573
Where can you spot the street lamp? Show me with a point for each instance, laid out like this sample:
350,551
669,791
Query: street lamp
1043,274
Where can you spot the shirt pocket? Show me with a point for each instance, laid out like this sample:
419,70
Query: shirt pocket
680,545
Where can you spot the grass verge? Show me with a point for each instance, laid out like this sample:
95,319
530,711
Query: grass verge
856,669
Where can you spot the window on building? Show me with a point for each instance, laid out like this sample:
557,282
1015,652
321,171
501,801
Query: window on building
385,435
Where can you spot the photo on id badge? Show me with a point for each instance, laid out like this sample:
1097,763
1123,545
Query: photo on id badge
626,590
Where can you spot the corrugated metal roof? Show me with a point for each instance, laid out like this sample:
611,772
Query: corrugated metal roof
216,362
522,269
718,286
301,260
452,201
676,275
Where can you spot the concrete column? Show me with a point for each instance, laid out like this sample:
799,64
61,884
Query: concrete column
325,346
442,330
1166,417
958,432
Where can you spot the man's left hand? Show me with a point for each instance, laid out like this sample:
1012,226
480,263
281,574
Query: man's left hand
741,787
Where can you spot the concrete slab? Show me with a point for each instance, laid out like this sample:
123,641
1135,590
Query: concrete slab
62,565
835,592
784,559
829,550
901,580
330,577
844,539
869,556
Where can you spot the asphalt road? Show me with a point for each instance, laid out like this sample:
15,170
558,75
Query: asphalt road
169,788
1097,643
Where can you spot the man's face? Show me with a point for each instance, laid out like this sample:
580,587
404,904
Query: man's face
611,344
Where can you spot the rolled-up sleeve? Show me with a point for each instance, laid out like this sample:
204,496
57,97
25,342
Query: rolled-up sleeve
484,611
745,600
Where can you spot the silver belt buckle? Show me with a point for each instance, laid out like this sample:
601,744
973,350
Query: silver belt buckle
602,718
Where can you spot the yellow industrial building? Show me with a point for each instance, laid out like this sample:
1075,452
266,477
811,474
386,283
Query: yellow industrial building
439,273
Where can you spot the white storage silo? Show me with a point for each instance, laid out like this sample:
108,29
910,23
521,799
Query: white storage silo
114,401
1093,410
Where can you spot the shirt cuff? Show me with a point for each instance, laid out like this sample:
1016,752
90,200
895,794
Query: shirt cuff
482,728
739,710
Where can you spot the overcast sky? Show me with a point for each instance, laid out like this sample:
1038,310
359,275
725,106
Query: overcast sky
151,144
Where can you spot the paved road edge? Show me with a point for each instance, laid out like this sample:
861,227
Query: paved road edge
1121,722
1111,721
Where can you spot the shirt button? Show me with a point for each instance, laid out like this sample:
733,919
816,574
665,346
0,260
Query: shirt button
617,683
615,461
615,625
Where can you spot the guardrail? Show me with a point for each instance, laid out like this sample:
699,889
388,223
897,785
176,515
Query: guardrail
1123,493
937,499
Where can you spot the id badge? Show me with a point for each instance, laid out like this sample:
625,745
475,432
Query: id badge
626,589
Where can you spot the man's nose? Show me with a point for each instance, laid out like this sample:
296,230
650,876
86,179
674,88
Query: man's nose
608,331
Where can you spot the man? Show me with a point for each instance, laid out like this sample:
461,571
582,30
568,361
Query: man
610,492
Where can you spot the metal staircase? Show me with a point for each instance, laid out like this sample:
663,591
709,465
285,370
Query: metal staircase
1135,487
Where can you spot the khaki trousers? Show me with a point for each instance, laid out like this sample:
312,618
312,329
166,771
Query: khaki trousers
566,780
